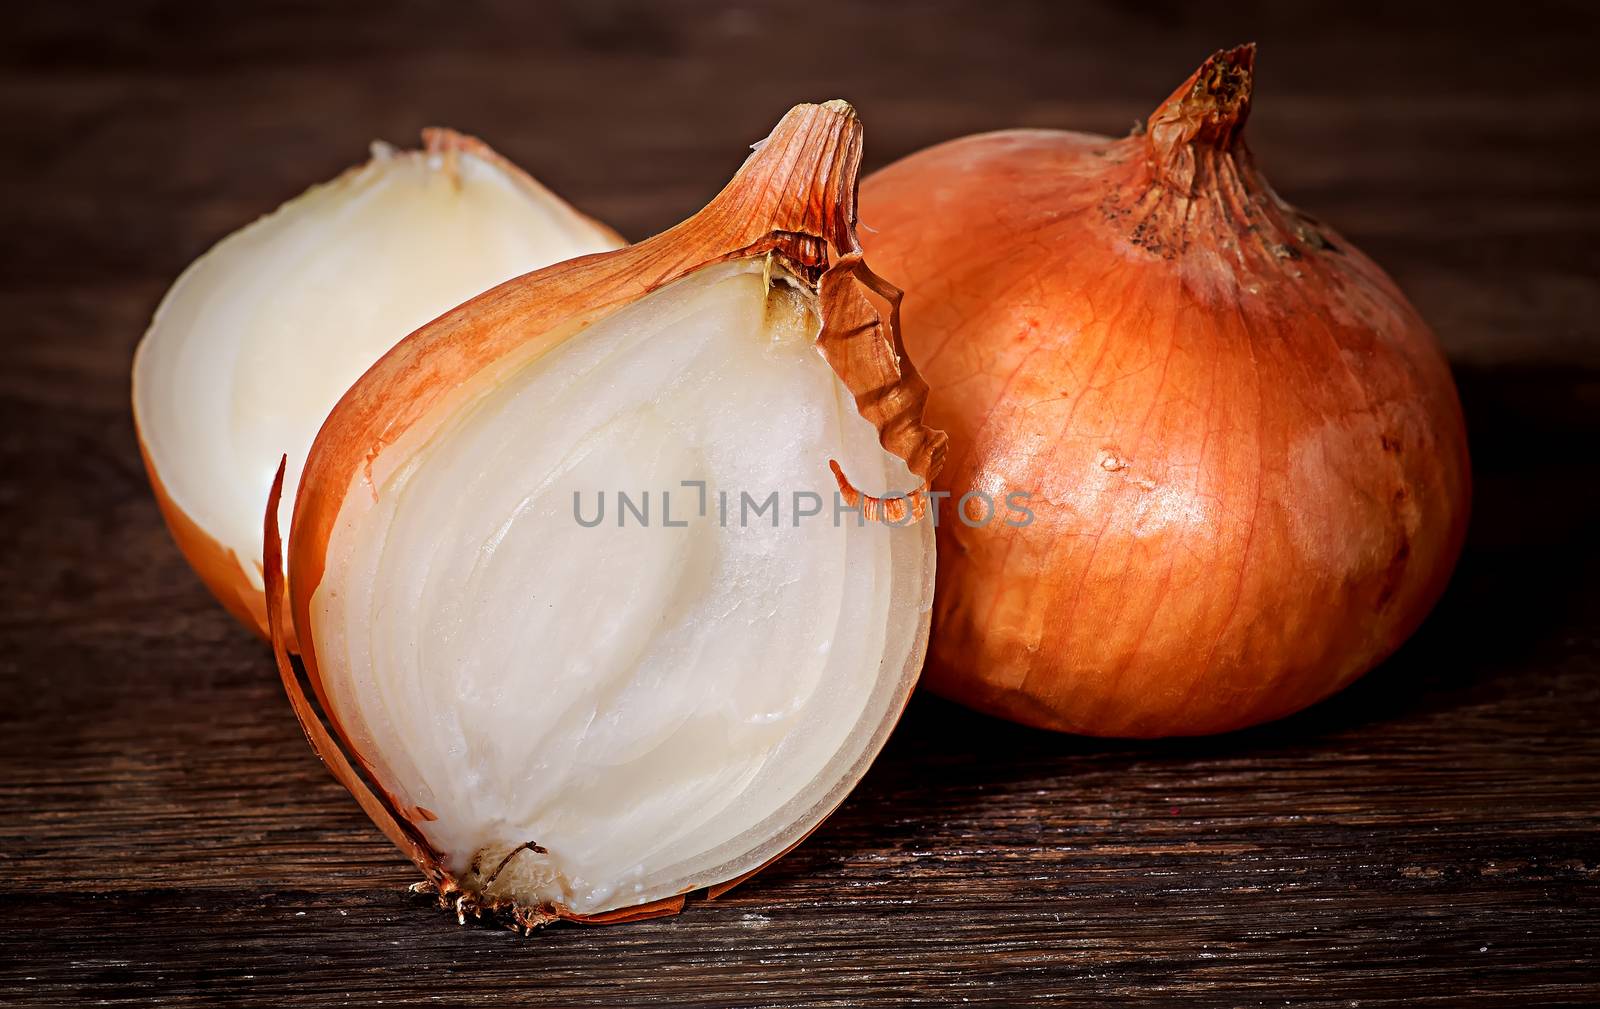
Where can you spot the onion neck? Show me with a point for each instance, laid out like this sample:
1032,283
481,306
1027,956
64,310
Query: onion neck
1196,131
1187,187
801,181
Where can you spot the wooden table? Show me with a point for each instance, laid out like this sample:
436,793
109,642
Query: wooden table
1430,837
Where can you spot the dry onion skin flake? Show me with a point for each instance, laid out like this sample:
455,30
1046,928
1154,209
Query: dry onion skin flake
259,338
587,722
1245,457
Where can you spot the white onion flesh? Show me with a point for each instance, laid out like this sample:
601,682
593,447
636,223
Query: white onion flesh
658,708
257,341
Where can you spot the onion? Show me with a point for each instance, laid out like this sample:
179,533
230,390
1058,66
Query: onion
261,336
1240,446
566,722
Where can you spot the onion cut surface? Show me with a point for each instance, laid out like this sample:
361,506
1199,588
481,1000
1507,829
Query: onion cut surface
259,338
568,719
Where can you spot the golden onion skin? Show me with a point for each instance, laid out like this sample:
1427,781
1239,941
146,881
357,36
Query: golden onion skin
1245,456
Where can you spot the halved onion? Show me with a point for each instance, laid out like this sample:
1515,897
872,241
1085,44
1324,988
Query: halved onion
260,337
564,719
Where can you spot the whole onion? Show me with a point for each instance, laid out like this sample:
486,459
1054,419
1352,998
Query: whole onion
1243,453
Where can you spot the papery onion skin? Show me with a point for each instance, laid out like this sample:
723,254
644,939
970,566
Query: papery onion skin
220,567
793,203
1246,457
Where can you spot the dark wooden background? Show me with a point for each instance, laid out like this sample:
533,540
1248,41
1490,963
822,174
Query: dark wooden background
1430,837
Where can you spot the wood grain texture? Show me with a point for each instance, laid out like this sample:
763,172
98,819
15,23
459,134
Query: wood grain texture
1430,837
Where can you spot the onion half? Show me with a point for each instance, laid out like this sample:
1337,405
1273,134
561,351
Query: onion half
569,722
1240,444
259,338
